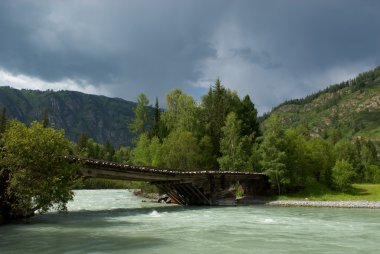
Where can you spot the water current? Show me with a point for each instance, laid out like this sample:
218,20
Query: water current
115,221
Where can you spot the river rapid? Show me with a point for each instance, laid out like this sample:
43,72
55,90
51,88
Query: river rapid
115,221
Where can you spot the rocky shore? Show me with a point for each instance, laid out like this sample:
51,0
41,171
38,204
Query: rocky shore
308,203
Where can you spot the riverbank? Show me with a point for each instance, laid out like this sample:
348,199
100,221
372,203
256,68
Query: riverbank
308,203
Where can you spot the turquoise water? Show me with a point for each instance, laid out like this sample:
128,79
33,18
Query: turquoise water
115,221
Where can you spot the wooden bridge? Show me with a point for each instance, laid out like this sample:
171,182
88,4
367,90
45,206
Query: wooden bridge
182,186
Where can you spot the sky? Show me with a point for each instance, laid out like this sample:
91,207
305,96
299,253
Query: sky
271,50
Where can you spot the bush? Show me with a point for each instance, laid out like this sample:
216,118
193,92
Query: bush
372,174
343,175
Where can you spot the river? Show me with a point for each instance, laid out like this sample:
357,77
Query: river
115,221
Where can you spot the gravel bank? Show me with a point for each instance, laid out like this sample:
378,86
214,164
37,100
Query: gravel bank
339,204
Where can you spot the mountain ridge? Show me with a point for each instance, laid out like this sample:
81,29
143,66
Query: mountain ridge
351,107
100,117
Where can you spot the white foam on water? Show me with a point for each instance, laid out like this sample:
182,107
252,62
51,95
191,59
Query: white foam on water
154,213
269,221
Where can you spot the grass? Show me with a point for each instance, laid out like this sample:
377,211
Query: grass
370,192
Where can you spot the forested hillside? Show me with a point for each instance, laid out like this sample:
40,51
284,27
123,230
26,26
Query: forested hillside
101,118
349,109
326,139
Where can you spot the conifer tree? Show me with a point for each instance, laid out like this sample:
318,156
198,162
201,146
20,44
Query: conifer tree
141,115
3,119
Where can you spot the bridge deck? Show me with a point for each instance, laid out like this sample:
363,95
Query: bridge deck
107,169
183,186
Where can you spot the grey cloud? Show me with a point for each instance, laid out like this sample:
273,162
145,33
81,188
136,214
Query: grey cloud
154,46
262,58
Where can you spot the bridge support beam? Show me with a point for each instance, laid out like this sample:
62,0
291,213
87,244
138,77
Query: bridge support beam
184,193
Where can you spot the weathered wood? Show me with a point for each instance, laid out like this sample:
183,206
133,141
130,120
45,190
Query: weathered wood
182,186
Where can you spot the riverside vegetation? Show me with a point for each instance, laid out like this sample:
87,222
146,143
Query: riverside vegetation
221,132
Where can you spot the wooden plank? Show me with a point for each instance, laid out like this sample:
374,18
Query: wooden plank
202,195
199,198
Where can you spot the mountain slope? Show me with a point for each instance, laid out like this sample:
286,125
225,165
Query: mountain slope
352,107
100,117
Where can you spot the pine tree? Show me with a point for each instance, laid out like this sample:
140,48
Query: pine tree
45,118
215,106
247,113
3,119
141,115
83,139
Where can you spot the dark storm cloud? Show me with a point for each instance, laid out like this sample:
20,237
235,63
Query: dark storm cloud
272,50
263,58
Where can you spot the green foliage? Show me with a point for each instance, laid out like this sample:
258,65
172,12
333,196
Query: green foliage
239,191
274,157
317,191
247,113
344,111
233,146
158,128
141,115
343,175
371,174
320,159
45,118
100,117
141,154
3,120
123,155
180,150
38,177
109,151
207,160
216,105
182,112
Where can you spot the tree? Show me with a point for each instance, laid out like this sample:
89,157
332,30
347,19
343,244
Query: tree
274,156
147,151
109,151
320,158
38,177
123,155
216,105
296,157
45,118
372,174
247,113
82,144
156,130
3,119
182,112
155,152
180,150
232,145
350,152
343,175
207,161
141,115
141,154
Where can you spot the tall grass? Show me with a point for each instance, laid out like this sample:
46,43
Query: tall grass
370,192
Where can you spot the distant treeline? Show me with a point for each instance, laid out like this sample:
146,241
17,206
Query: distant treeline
222,132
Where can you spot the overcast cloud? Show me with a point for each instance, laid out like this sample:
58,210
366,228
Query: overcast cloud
271,50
